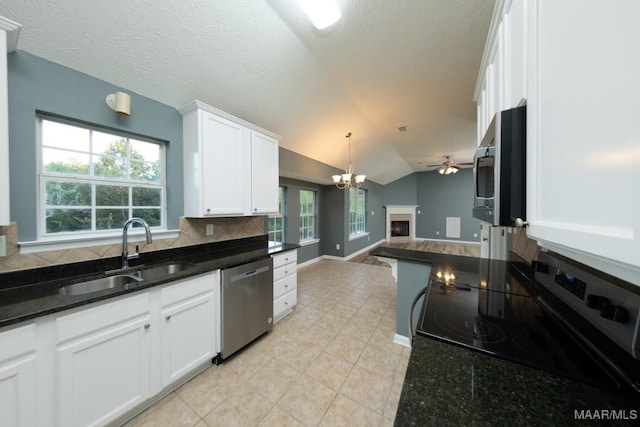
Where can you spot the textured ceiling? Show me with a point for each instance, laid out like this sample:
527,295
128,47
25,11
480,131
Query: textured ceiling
385,64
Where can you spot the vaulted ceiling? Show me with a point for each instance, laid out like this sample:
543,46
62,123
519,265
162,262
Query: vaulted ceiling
386,64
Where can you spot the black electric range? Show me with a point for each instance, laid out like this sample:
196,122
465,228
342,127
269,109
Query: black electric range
564,320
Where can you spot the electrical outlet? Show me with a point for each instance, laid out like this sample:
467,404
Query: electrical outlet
337,246
3,246
209,230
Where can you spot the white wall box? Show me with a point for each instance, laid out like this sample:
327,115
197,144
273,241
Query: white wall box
230,166
9,32
18,378
104,362
285,278
582,87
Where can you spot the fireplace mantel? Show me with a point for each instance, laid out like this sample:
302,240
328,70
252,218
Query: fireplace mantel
409,211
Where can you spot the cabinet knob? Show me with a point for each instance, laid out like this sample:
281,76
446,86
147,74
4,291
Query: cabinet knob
286,303
168,317
147,326
286,259
208,210
286,286
286,272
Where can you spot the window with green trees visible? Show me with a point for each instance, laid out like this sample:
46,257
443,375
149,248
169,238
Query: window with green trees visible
276,221
93,180
357,211
307,215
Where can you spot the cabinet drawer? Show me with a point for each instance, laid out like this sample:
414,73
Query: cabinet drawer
18,341
188,288
285,258
285,285
284,304
103,316
284,271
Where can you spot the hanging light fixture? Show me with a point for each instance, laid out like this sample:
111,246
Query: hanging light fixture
448,170
348,179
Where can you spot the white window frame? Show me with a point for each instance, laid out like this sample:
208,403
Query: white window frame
357,228
279,216
313,214
72,239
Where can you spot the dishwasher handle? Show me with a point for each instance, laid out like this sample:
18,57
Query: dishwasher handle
250,273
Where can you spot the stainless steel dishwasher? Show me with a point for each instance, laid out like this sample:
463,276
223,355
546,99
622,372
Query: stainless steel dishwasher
246,305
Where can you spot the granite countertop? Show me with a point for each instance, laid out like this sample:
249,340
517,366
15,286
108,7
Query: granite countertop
450,385
32,293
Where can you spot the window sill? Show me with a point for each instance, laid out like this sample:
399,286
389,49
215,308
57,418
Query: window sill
358,236
72,242
309,242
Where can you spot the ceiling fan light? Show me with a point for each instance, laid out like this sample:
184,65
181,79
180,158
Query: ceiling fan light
441,171
321,13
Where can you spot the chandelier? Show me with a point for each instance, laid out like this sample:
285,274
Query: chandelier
348,179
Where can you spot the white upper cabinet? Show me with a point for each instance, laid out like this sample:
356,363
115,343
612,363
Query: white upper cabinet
9,31
577,63
584,132
230,166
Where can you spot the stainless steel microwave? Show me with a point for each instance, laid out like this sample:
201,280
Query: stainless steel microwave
500,170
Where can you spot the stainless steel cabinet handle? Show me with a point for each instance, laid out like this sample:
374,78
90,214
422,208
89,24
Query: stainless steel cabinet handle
147,326
168,317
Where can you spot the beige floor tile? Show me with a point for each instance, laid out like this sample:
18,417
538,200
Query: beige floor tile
330,370
348,348
391,407
273,380
367,388
245,407
278,418
346,412
358,329
171,411
332,323
246,363
204,392
307,400
315,337
381,359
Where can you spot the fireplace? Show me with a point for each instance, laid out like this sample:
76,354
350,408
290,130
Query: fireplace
401,223
399,228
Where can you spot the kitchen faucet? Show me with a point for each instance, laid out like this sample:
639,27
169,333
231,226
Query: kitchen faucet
125,250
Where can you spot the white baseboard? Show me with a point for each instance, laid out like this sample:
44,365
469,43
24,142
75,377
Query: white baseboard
339,258
402,340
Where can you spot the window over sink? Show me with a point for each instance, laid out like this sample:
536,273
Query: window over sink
92,179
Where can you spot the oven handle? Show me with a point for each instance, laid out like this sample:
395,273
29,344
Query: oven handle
413,305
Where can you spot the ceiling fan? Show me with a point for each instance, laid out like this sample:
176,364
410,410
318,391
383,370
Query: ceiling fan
448,167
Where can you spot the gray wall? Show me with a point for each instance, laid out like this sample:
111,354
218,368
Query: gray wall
36,84
438,197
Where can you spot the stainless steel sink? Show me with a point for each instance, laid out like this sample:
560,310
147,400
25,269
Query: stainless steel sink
119,282
163,270
126,281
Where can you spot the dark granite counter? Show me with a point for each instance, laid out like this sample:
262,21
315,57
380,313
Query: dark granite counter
450,385
32,293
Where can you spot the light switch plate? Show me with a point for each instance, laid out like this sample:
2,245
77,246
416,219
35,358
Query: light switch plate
209,230
3,246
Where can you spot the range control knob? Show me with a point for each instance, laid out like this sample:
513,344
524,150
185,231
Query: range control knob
596,301
617,313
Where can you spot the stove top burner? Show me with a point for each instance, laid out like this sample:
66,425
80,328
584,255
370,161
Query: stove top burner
469,330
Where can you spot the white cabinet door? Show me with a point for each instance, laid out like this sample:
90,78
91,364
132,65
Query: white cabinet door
584,133
18,377
225,157
264,174
188,326
103,358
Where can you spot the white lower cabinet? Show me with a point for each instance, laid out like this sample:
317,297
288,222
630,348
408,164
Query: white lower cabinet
18,377
285,278
187,337
102,363
103,356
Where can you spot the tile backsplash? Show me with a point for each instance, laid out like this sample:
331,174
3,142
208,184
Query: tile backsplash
192,232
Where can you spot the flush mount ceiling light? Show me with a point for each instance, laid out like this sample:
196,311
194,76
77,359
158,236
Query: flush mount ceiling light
346,180
322,13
